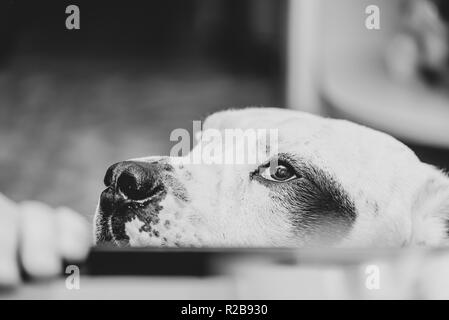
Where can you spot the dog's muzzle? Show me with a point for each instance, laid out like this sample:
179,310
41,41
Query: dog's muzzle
134,191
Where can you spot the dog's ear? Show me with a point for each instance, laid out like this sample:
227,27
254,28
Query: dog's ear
430,212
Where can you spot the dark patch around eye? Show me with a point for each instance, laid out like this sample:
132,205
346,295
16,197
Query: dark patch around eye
318,204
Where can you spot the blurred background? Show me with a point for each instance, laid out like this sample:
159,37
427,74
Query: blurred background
72,102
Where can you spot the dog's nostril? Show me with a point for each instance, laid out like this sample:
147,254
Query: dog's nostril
109,175
130,186
134,180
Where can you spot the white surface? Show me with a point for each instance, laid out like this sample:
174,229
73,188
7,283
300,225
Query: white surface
122,288
402,274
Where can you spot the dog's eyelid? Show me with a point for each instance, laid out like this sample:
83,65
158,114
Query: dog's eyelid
283,159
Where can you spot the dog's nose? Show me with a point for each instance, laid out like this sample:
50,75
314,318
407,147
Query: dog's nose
135,180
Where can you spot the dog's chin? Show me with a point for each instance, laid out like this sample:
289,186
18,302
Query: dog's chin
128,225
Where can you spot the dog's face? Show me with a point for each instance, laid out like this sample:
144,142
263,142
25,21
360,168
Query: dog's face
326,182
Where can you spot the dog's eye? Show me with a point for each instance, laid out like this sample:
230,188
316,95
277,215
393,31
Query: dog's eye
280,173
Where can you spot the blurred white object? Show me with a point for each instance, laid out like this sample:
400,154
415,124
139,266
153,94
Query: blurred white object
433,277
402,58
356,81
420,41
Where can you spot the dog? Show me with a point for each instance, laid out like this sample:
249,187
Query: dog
322,182
330,182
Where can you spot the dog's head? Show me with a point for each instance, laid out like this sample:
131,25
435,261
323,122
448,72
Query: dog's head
320,182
